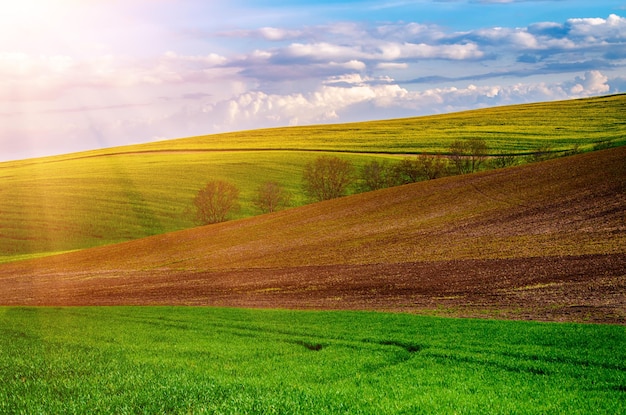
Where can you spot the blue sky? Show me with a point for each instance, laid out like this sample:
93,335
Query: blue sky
77,75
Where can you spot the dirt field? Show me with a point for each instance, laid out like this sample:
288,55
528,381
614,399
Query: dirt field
548,289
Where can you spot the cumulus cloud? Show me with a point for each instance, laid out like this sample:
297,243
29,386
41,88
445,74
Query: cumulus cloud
332,50
573,45
335,99
591,83
321,105
574,34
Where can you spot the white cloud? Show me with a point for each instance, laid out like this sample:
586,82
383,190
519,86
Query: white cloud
392,65
212,59
351,97
395,51
273,33
321,105
597,29
267,33
334,100
591,83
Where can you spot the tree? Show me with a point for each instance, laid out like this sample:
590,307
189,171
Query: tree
468,155
478,152
375,175
458,151
503,159
327,177
431,167
215,201
271,197
541,153
421,167
406,171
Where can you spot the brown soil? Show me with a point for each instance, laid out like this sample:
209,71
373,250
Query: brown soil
590,288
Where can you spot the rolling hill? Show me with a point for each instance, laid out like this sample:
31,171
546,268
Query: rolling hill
545,241
96,198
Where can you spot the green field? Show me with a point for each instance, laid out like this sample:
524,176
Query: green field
96,198
234,361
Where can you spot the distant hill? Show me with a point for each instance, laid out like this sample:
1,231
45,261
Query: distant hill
544,241
96,198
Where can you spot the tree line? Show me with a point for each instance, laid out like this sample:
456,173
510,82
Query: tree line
328,177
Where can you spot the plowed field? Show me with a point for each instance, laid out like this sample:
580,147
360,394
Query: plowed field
589,288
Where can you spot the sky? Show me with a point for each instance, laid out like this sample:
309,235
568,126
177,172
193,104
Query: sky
87,74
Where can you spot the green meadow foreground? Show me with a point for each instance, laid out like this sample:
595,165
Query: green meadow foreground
232,361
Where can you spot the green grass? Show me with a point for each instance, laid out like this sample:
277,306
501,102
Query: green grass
108,196
86,202
233,361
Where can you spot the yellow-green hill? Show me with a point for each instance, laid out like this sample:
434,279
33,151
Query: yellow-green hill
108,196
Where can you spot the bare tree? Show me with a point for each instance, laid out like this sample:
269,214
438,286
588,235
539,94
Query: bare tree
215,201
327,177
271,197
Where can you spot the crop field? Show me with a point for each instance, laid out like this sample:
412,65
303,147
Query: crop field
82,200
235,361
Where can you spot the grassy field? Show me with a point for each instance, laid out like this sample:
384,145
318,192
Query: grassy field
101,197
234,361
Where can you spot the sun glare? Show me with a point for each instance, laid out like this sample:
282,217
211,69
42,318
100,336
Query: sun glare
30,14
24,10
32,26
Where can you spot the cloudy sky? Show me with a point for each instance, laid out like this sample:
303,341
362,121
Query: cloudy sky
84,74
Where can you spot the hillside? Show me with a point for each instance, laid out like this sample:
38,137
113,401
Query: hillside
108,196
544,241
